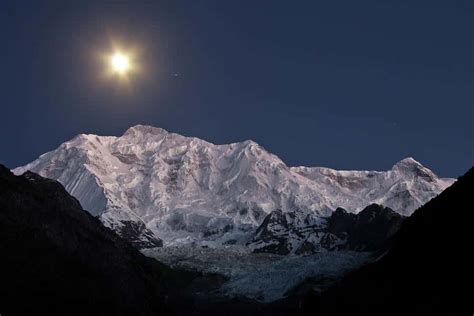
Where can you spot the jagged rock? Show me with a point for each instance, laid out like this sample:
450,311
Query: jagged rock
138,235
284,233
367,230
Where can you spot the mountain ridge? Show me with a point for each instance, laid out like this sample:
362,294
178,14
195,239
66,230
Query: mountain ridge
180,188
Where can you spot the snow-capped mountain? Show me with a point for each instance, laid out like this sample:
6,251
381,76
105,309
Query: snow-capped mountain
149,182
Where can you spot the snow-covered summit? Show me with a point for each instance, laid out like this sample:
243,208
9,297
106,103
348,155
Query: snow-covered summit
411,167
186,189
145,129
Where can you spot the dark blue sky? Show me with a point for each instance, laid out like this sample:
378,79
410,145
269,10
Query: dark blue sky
344,84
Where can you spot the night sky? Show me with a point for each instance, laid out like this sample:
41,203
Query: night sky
343,84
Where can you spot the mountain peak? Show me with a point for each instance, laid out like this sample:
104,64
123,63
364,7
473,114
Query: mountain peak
145,129
408,161
411,166
408,164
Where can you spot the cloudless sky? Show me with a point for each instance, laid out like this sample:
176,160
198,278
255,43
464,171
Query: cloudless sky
343,84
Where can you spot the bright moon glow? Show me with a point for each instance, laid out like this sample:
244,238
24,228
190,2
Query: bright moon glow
120,63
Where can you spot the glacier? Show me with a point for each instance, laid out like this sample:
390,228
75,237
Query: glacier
261,277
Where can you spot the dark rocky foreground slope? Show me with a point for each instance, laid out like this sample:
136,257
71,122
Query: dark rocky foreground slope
58,259
427,271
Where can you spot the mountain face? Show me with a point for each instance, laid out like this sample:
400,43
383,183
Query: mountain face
426,271
150,184
58,259
293,232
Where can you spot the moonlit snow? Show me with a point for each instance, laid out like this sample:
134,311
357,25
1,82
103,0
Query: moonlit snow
187,190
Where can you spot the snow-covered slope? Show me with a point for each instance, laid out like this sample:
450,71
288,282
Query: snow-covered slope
404,188
186,189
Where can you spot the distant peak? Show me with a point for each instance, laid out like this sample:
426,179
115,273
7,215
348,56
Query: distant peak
411,166
144,129
407,162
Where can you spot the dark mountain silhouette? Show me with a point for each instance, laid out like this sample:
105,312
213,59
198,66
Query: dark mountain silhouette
366,231
427,271
58,259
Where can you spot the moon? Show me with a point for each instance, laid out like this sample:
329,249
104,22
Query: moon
120,63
